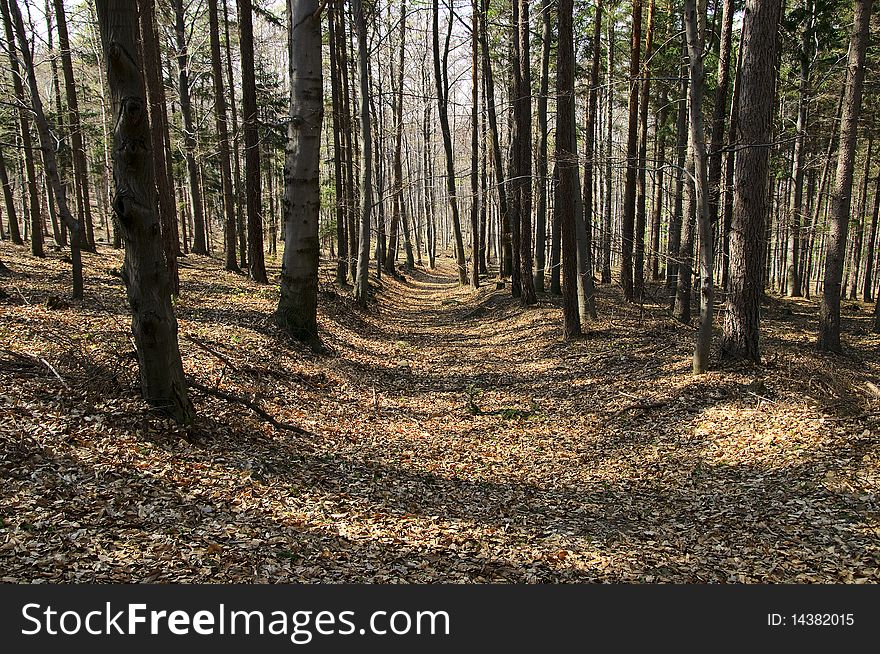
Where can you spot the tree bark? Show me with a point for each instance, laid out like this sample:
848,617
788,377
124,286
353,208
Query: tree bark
297,310
568,189
523,112
361,289
632,157
228,188
641,181
695,26
841,197
756,97
9,199
24,125
145,273
442,106
253,182
541,202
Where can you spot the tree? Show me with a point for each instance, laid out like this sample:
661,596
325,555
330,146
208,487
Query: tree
223,138
253,183
695,26
841,200
632,157
756,96
475,147
145,272
160,140
641,181
199,245
24,125
361,287
568,189
522,109
12,16
9,202
442,83
297,310
80,166
541,203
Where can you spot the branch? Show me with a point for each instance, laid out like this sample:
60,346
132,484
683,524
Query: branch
253,406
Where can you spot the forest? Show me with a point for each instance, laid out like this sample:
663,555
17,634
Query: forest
404,291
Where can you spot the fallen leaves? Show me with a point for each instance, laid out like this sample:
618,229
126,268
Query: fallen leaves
600,460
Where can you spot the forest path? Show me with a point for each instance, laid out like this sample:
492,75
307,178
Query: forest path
455,438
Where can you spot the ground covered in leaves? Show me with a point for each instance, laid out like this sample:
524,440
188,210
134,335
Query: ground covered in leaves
456,438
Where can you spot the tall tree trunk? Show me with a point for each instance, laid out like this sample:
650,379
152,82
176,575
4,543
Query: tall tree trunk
506,263
24,124
719,111
541,203
632,157
841,197
80,166
361,288
442,106
160,140
475,148
9,199
607,223
756,98
339,179
568,189
228,188
145,274
695,27
659,178
793,272
868,293
297,310
253,184
641,182
859,236
199,245
586,290
523,111
673,246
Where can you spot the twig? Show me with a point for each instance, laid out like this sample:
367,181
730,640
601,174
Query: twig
55,372
253,406
200,343
26,301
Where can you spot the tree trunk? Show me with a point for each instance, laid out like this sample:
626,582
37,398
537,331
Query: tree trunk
641,182
80,166
297,310
632,157
223,139
160,141
673,246
859,236
339,179
475,147
541,204
756,96
9,199
868,293
361,289
199,245
523,112
607,218
695,26
442,106
568,189
145,273
506,263
586,290
253,184
24,124
841,197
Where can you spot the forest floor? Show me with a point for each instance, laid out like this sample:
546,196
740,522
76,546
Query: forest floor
456,438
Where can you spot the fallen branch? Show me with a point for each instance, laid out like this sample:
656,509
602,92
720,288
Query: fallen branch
55,372
200,343
253,406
